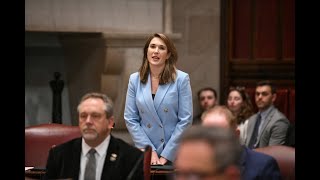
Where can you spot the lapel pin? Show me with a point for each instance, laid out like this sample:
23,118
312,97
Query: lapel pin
113,157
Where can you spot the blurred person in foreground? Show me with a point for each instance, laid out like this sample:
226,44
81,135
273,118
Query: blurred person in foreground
253,165
206,153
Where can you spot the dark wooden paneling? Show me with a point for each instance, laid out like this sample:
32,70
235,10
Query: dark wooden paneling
266,29
241,29
267,52
262,69
292,105
288,33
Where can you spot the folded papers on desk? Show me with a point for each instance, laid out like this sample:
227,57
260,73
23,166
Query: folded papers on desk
27,168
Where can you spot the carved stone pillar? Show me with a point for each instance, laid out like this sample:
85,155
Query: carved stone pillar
168,16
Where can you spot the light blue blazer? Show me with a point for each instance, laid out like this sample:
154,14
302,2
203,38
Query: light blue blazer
159,122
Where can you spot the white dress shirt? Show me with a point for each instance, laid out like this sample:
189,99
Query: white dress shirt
100,157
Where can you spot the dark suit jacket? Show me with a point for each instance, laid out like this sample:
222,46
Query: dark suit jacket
64,161
273,131
255,165
290,141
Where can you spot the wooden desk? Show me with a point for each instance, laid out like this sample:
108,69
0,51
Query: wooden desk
30,174
155,174
161,174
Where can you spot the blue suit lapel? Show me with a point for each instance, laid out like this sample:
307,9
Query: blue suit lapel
243,158
161,92
147,96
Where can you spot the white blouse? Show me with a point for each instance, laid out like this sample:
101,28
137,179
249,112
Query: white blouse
243,131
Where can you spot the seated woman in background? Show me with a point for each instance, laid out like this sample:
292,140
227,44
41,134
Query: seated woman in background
240,105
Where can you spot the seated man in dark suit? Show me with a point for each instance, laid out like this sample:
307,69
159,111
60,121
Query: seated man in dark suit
253,165
97,154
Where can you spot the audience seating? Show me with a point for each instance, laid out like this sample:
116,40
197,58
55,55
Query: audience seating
285,157
291,135
282,101
40,138
292,106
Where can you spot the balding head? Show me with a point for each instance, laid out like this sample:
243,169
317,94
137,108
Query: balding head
219,116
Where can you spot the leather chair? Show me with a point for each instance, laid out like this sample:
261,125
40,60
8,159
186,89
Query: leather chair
282,101
40,138
285,157
291,136
292,108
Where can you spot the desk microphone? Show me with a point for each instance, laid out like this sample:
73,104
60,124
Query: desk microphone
136,165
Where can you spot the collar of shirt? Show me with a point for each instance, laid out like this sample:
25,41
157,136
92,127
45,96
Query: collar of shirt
101,148
264,114
100,157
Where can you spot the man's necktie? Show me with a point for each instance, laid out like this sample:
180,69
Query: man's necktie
254,136
90,171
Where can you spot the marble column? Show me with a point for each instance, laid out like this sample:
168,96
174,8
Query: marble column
168,16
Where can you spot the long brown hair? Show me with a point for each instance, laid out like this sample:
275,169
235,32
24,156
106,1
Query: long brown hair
168,74
247,108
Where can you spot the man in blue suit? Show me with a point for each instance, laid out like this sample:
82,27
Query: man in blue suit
253,165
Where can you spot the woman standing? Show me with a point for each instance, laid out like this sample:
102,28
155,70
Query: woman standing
159,100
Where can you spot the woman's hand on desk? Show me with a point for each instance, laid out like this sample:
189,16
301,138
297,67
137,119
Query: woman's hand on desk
154,158
163,160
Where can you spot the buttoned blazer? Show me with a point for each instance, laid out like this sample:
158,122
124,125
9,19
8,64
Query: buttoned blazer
64,161
159,122
273,130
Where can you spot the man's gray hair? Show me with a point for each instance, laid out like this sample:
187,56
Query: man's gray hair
107,101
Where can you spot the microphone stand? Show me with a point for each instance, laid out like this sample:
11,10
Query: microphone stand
136,165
